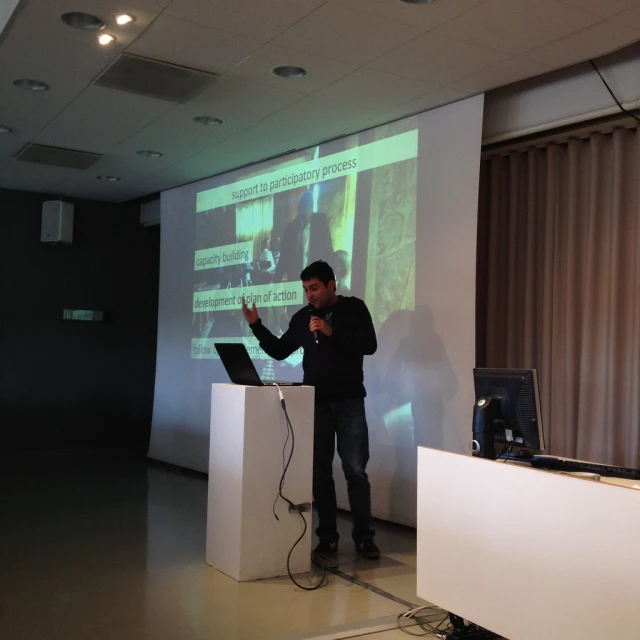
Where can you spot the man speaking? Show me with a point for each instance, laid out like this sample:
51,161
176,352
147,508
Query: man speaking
336,332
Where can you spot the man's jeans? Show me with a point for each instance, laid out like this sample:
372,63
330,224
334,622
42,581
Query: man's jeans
345,421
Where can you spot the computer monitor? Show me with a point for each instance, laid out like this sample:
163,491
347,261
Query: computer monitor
506,414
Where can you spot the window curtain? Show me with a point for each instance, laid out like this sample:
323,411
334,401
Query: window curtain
559,287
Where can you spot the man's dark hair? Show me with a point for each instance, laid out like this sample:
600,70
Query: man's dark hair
319,269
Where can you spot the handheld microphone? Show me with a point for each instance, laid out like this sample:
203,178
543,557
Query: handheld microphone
312,313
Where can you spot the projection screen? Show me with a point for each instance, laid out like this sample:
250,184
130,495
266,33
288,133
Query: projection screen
393,209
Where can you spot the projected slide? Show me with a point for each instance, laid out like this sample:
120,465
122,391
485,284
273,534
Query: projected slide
393,209
351,203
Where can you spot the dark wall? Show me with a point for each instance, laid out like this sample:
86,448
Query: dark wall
71,384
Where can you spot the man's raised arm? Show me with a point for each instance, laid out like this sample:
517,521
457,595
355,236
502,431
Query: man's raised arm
277,348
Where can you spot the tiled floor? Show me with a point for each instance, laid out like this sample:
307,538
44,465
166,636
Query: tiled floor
106,547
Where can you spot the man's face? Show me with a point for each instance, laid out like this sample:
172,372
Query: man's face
319,295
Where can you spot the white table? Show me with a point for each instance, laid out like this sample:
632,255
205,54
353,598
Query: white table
526,553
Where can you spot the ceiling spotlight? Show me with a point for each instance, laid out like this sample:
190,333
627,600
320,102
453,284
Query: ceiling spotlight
108,178
4,129
209,120
289,71
148,153
105,39
30,85
79,20
417,1
123,18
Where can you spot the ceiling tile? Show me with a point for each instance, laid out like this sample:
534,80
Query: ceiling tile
437,60
322,70
48,53
352,36
425,17
225,155
604,8
160,182
369,123
366,87
192,45
100,118
174,134
506,72
34,177
629,18
310,121
259,20
11,144
589,43
432,100
43,20
266,115
515,27
130,169
107,8
204,164
239,103
31,58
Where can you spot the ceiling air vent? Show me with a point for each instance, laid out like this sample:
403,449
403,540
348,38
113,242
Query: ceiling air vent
155,79
55,157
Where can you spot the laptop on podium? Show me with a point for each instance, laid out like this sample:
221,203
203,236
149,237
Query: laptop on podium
239,366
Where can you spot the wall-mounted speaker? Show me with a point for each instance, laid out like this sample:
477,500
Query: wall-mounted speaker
57,222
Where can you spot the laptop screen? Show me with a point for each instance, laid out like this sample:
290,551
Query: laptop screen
237,362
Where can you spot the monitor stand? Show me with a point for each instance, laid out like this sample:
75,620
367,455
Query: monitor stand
464,631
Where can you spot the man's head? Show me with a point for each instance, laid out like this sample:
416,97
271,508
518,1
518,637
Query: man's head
319,284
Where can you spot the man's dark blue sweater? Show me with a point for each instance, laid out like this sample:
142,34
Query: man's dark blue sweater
334,365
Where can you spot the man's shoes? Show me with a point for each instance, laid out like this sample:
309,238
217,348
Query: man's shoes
368,549
326,553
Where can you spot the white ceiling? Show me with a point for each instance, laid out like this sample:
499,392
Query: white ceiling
370,61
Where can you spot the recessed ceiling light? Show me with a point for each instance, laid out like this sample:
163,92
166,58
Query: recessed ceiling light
289,71
79,20
123,18
417,1
5,129
148,153
30,85
105,39
210,120
108,178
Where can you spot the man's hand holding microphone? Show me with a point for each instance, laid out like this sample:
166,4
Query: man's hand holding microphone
318,324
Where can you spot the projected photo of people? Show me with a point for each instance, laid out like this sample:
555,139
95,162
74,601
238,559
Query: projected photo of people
351,202
305,239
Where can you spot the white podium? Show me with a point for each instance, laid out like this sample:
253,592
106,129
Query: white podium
248,433
528,554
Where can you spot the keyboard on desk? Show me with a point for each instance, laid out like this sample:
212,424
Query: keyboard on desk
578,466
